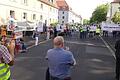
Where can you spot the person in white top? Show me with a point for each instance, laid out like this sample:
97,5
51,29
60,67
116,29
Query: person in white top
48,33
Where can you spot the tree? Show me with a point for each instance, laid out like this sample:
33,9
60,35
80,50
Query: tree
116,17
99,14
86,22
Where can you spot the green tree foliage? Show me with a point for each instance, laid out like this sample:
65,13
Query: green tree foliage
116,17
99,14
86,22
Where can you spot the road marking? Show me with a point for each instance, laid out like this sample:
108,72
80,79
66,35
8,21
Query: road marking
38,44
89,44
23,58
113,53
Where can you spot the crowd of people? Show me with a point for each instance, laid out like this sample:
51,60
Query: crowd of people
92,31
9,48
60,60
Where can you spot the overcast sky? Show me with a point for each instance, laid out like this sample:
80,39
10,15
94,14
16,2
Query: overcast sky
85,7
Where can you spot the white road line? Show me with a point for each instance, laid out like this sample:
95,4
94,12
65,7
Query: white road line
24,58
38,44
113,53
89,44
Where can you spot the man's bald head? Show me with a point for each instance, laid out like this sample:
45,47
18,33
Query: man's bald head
58,41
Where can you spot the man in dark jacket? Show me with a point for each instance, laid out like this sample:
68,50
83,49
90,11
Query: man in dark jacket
117,54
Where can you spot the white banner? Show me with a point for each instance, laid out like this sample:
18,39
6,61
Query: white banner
93,28
40,27
110,27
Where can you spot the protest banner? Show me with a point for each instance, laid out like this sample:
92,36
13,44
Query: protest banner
110,27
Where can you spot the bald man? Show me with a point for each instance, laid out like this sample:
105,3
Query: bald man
60,61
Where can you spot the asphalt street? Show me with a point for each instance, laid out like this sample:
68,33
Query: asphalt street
94,60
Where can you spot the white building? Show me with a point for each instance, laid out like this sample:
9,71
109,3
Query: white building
74,18
113,8
44,11
65,13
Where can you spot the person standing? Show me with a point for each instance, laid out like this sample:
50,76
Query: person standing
11,47
60,60
48,33
36,37
84,32
81,32
114,34
17,46
55,32
117,54
3,32
98,31
6,61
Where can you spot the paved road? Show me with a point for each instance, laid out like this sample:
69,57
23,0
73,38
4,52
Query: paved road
94,61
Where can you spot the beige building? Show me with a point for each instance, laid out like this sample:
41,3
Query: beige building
44,11
113,8
66,15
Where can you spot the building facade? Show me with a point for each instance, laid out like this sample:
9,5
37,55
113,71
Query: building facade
44,11
66,15
113,8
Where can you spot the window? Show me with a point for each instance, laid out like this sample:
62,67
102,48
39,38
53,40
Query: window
63,17
41,6
25,1
119,8
52,1
50,20
12,14
34,17
62,22
41,17
24,15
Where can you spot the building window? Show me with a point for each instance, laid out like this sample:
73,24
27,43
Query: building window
41,6
24,15
50,20
25,1
41,17
63,17
63,12
12,14
62,22
50,9
119,3
52,1
34,16
119,8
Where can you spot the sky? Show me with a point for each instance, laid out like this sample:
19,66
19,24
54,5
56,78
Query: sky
85,7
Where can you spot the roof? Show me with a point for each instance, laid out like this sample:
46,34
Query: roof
76,14
49,3
116,1
62,5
